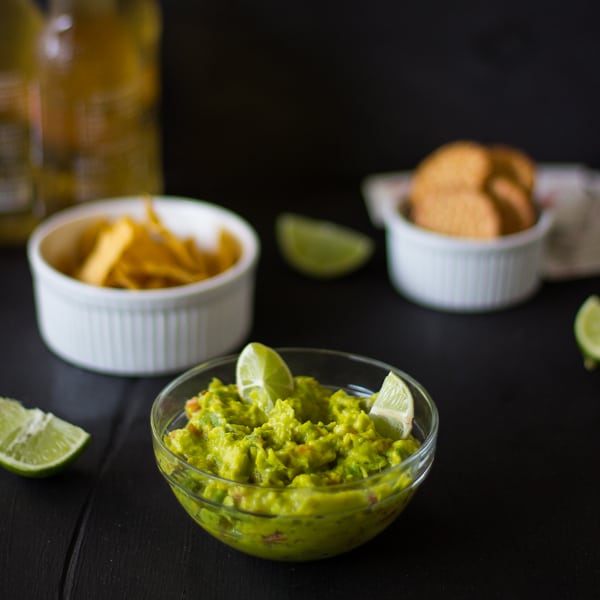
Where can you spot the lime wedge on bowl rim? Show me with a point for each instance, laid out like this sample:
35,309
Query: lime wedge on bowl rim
393,409
34,443
319,248
587,331
262,376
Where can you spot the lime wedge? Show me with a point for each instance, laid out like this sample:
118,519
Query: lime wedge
393,409
34,443
262,376
321,249
587,331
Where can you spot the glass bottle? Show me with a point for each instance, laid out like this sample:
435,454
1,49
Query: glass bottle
89,141
20,23
144,18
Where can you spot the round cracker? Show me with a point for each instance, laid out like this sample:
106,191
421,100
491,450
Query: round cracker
460,212
514,164
461,164
513,203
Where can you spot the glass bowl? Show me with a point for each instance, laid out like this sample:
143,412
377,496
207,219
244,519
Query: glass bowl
290,523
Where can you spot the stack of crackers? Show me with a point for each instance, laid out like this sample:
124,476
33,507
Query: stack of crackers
472,190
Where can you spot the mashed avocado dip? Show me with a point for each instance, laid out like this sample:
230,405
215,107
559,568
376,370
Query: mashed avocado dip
301,469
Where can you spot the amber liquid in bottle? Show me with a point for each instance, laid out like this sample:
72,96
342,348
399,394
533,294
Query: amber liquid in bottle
88,121
20,23
144,19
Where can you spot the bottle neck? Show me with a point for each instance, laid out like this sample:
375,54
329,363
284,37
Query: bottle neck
82,7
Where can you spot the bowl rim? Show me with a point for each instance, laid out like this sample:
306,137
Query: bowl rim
396,222
426,448
113,207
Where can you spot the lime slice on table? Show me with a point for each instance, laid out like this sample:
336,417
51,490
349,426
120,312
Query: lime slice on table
34,443
262,376
587,331
321,249
393,409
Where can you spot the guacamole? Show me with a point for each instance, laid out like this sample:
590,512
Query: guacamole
299,468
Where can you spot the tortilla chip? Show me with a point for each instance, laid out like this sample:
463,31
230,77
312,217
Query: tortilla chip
228,251
110,245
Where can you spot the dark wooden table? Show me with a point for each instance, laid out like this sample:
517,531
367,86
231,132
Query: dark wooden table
510,509
261,118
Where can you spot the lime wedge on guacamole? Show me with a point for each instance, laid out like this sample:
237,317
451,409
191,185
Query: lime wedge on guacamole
34,443
321,249
393,409
262,376
587,331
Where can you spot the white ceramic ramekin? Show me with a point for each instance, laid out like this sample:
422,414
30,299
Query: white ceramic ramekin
463,275
146,332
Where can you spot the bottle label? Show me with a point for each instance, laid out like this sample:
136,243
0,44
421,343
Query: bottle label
110,143
15,161
104,155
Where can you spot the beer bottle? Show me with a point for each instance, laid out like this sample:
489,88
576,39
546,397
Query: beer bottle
89,139
20,23
144,18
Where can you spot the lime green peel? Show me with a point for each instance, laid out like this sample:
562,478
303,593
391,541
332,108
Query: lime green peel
262,376
34,443
321,249
393,409
587,331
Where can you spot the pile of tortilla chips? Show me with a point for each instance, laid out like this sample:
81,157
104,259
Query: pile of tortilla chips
145,255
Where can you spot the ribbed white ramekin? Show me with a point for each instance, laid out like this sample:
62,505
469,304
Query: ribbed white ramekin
146,332
463,275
